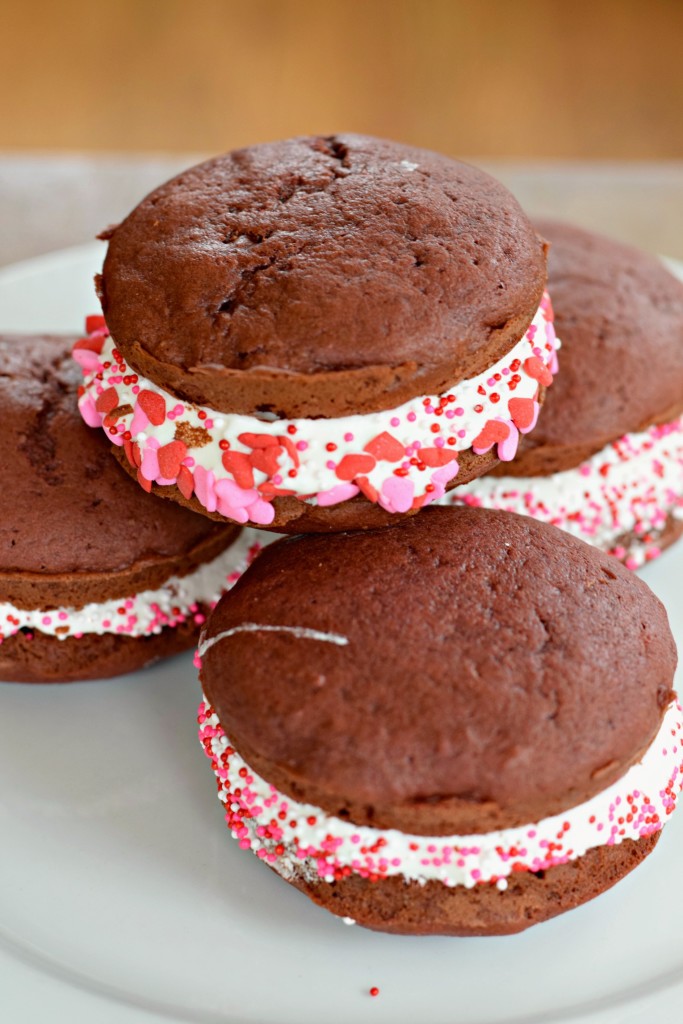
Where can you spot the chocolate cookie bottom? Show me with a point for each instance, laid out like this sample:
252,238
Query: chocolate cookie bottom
33,657
292,515
409,908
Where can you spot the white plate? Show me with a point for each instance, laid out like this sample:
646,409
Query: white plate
123,898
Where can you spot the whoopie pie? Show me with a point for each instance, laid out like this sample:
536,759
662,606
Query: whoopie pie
319,334
606,461
96,578
464,725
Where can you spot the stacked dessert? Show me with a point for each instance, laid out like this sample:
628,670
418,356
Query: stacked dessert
320,334
407,724
94,579
325,336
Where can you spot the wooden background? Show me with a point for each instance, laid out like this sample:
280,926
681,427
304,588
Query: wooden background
520,78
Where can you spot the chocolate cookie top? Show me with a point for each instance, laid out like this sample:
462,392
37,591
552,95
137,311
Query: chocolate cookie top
619,314
465,671
69,527
321,276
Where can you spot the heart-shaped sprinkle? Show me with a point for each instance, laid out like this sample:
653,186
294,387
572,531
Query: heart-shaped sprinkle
170,457
185,482
434,457
342,492
150,463
289,445
507,449
524,412
261,512
257,440
397,494
370,492
493,432
238,465
266,459
231,494
95,323
536,368
88,411
128,451
352,466
154,407
385,448
107,401
204,488
269,491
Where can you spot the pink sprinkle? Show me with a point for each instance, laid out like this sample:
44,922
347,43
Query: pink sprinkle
411,417
330,464
348,437
62,616
301,446
395,421
46,620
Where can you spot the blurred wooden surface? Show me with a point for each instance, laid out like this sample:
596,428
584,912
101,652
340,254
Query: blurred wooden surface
524,78
47,202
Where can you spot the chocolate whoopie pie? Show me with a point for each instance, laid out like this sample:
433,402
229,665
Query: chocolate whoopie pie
96,579
606,461
408,725
319,334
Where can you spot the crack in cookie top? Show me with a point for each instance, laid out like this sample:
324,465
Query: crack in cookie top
235,465
321,277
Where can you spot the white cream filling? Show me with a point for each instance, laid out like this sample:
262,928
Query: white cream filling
630,486
400,458
297,838
141,614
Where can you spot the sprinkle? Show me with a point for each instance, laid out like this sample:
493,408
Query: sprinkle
240,473
333,849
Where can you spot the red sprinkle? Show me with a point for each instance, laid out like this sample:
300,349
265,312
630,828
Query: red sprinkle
374,991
